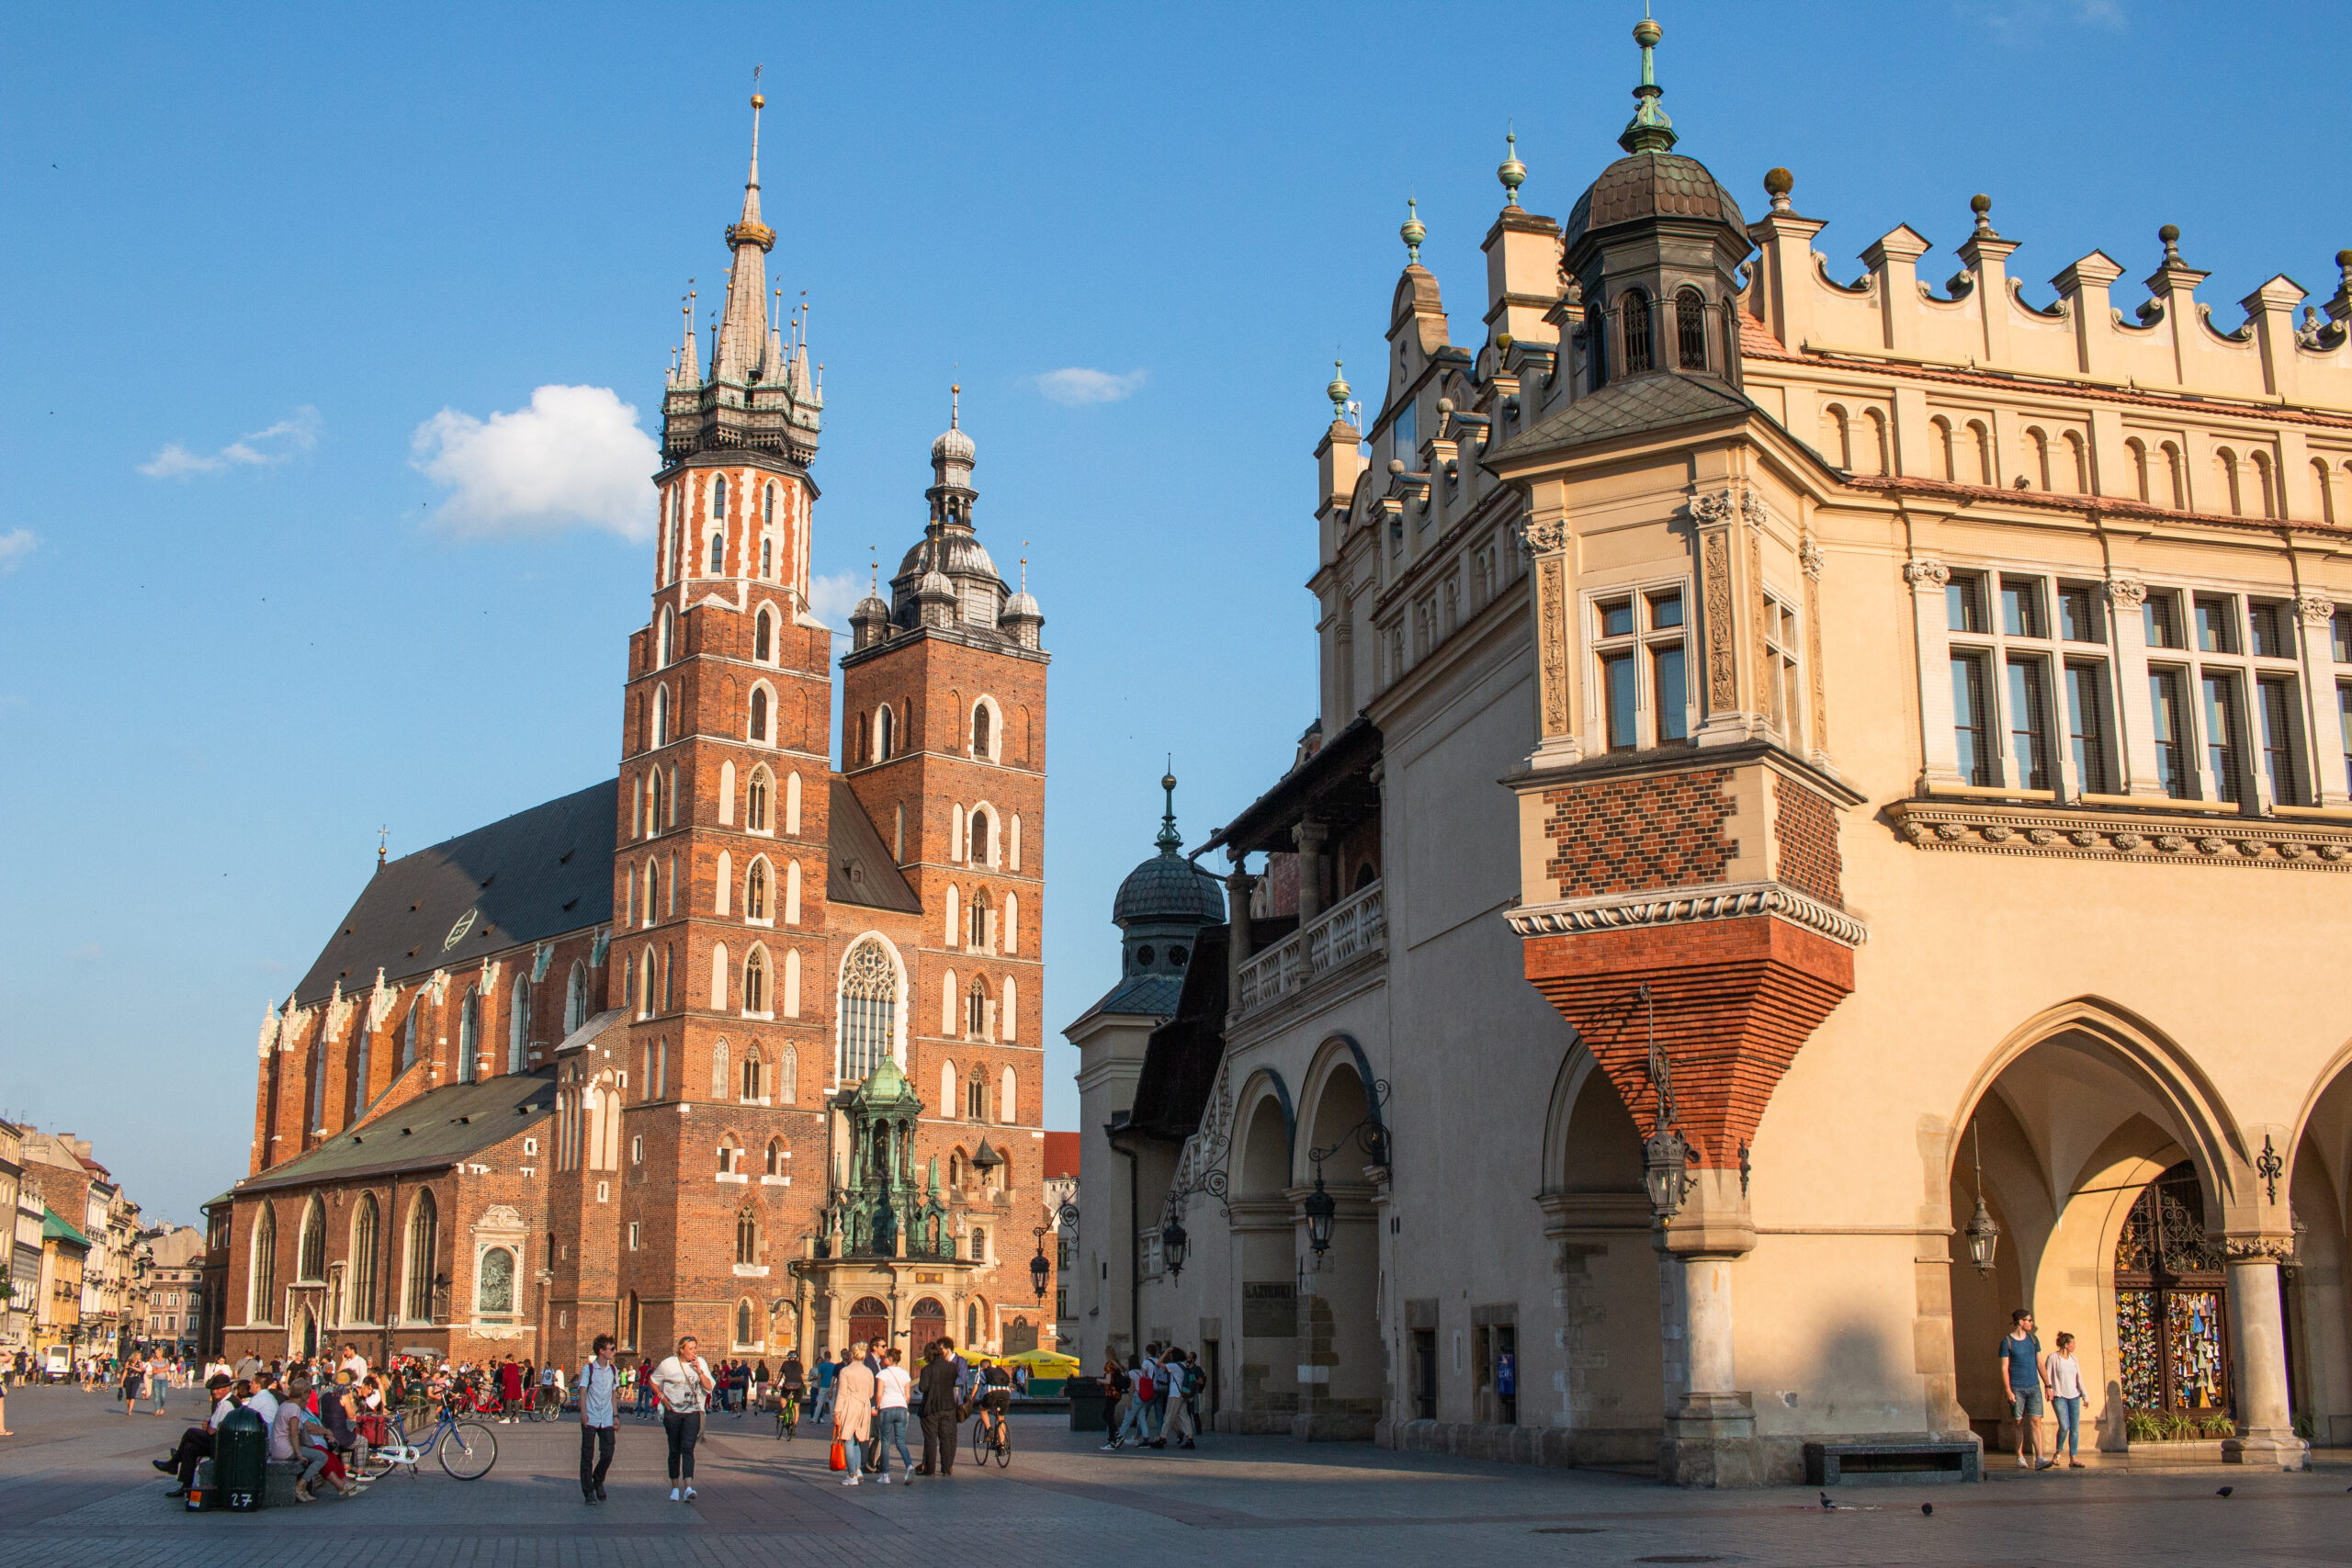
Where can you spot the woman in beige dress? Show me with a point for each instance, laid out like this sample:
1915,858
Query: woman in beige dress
854,1407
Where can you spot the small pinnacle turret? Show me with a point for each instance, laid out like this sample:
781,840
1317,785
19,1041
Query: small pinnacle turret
1510,172
1412,232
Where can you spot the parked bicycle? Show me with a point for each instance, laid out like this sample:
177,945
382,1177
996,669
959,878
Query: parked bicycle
465,1449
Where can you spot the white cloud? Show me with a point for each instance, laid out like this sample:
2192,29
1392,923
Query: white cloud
831,599
297,432
1076,386
575,455
15,546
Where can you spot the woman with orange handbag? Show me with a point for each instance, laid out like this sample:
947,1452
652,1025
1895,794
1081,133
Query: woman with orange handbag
852,1409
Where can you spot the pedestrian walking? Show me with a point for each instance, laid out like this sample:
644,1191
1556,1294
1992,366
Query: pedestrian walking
1143,1376
600,1382
684,1381
134,1381
853,1407
936,1383
2021,1372
1118,1387
892,1385
2061,1378
1182,1420
159,1381
828,1374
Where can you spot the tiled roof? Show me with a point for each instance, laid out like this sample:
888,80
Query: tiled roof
1651,185
535,875
432,1132
861,869
1061,1156
1633,407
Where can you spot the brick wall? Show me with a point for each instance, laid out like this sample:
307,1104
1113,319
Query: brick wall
1625,835
1807,826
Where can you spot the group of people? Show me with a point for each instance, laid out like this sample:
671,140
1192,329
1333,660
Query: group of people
869,1396
315,1410
2032,1374
1154,1399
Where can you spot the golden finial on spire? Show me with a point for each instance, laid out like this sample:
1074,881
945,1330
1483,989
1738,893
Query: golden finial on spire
955,406
383,838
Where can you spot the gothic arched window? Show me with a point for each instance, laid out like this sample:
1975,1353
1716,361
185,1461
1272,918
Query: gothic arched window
767,507
775,1157
669,628
755,802
980,730
759,713
363,1261
751,1073
469,1035
869,1007
424,1248
575,1000
311,1255
763,632
260,1302
1690,330
1634,314
755,983
883,737
661,715
408,1037
755,892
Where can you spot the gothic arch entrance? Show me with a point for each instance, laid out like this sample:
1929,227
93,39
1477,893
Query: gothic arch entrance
926,1322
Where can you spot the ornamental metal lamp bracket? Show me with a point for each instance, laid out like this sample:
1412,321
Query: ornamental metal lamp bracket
1371,1133
1983,1235
1666,1154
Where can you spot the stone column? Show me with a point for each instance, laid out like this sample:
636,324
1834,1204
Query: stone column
1931,629
1310,836
2258,1351
2317,611
1545,537
1709,1436
1237,914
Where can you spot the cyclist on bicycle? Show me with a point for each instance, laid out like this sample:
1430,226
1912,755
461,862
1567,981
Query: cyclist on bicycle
792,1387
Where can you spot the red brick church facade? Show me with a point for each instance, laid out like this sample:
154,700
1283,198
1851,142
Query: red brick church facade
590,1068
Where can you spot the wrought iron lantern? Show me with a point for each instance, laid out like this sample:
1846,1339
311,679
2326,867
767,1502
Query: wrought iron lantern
1038,1266
1172,1244
1321,1210
1666,1170
1984,1235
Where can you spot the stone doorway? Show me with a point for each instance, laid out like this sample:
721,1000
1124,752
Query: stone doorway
869,1320
2171,1304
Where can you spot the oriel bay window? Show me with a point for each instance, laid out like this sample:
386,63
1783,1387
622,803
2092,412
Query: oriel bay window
1641,667
2031,663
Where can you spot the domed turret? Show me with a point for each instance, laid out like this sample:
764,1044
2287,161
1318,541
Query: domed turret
1167,889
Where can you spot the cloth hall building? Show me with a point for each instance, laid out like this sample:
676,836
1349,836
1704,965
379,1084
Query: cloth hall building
1827,821
743,1042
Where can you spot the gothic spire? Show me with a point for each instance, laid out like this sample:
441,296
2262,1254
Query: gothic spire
1169,841
742,353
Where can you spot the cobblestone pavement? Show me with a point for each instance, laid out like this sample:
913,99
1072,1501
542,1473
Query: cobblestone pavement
76,1489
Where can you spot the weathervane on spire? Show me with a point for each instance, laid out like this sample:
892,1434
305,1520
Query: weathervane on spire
383,838
1649,130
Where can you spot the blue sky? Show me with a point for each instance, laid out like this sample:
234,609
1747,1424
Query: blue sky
261,262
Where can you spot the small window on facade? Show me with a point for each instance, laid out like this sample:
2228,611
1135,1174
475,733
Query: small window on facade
1634,309
755,892
762,637
2079,614
883,736
2021,606
1691,329
767,558
2162,614
2217,629
759,713
980,730
755,985
2271,637
1965,602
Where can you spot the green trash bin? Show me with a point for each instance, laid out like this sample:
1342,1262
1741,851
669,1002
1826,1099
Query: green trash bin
241,1460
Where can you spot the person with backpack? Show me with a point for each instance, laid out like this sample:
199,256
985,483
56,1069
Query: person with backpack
1145,1379
600,1382
1116,1386
1185,1379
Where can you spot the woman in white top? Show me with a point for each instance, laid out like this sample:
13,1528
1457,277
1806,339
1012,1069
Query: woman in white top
683,1382
891,1386
2061,1379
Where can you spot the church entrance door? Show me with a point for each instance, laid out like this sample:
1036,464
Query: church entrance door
869,1320
926,1322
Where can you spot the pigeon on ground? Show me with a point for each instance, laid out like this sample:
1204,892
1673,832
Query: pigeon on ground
1927,1508
1826,1502
2225,1492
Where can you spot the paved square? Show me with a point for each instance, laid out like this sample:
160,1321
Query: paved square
76,1489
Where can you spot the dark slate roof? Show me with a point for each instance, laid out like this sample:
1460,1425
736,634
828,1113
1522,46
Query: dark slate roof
1334,781
535,875
1633,407
1180,1066
1651,185
1149,996
434,1131
1168,887
861,870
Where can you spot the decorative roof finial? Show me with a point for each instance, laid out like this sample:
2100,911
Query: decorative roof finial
1649,130
2170,235
1777,183
1982,205
383,838
955,406
1512,171
1024,566
1338,392
1169,841
1412,232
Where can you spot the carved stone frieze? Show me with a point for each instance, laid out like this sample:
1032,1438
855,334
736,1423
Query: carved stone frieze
1999,827
1551,595
2259,1249
1715,563
1752,507
1543,534
1925,571
1809,556
1712,507
1685,905
2126,593
2317,609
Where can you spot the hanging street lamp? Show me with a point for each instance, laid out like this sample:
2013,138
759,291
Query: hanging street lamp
1666,1170
1984,1235
1172,1244
1321,1210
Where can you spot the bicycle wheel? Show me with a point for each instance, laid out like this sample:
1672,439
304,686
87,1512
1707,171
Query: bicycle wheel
980,1438
1003,1443
468,1450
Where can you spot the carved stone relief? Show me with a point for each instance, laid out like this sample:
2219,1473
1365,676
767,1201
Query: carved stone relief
1716,564
1551,591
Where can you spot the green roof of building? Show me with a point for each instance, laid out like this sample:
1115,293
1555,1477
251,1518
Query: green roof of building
55,1226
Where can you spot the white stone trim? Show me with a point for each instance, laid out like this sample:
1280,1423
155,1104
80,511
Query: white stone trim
1684,906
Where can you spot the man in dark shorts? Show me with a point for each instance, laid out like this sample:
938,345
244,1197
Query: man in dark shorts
2021,1375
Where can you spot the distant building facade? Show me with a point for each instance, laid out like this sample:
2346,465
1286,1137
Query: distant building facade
1802,765
742,1043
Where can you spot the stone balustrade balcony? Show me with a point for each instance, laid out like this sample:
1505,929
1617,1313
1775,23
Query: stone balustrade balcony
1353,930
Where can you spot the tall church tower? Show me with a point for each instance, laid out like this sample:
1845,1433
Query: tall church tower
718,900
944,713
